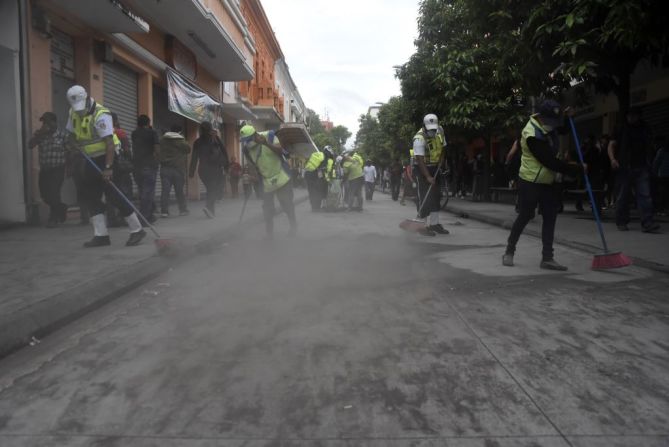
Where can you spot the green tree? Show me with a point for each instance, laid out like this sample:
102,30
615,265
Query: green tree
340,134
370,140
323,139
314,124
398,126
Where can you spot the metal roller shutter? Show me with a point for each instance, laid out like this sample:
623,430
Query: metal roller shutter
120,94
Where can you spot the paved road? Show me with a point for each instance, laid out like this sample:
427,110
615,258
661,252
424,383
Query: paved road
355,334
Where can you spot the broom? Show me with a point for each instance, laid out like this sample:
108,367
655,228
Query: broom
606,260
418,224
164,246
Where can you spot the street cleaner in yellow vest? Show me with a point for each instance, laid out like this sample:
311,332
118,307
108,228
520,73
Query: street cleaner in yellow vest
352,164
536,185
264,151
429,151
314,176
91,125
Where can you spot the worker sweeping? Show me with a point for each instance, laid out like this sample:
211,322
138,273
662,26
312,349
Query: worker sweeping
264,151
536,183
352,164
313,175
93,130
429,150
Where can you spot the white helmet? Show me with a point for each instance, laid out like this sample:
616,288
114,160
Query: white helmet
431,122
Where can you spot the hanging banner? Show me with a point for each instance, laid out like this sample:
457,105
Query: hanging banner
187,99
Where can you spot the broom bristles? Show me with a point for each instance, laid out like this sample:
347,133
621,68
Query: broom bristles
412,225
608,261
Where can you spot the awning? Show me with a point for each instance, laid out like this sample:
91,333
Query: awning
237,111
267,115
186,99
295,139
195,26
105,15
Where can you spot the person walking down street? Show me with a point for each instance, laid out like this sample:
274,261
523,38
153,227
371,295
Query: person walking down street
429,146
264,151
395,179
661,171
385,182
313,175
123,168
145,147
53,147
599,169
173,157
93,130
536,180
370,180
630,155
235,174
354,178
209,158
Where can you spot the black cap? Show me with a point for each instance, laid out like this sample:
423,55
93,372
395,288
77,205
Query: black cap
550,112
48,116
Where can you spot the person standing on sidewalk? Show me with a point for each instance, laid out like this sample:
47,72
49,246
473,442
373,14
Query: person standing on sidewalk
354,178
52,146
209,158
93,130
145,146
395,179
370,180
235,175
173,157
631,155
429,147
536,180
264,151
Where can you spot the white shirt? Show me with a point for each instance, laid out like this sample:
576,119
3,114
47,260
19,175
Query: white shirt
103,126
370,174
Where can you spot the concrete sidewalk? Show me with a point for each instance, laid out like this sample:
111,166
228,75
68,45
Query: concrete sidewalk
48,279
578,230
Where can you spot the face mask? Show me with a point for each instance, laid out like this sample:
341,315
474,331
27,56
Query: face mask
431,133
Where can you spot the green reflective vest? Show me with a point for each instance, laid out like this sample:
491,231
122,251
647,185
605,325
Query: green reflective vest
353,167
314,161
86,135
330,172
269,164
530,168
434,147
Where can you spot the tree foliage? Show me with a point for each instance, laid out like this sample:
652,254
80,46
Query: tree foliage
336,137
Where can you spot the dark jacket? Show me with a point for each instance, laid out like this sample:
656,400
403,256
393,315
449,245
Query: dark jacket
174,151
210,154
661,163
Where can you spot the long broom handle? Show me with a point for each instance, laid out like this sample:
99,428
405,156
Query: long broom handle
120,193
241,216
436,174
588,187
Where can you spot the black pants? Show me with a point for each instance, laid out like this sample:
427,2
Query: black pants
172,177
212,177
354,188
315,190
369,190
94,186
529,196
78,170
433,199
123,180
395,183
285,197
50,183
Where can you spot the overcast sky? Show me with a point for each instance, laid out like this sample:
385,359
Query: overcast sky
341,53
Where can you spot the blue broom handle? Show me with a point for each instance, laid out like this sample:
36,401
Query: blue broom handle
595,211
120,193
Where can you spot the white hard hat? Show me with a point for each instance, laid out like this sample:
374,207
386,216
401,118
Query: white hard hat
76,96
431,121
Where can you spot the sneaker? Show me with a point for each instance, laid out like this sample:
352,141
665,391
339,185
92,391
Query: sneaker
427,232
623,228
165,214
507,260
98,241
438,229
184,213
652,228
135,238
551,264
207,212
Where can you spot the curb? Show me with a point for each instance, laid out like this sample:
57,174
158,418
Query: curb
587,248
52,313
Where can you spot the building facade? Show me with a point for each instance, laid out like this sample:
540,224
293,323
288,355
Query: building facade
127,55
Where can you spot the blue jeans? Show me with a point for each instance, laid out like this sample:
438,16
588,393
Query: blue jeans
147,189
639,179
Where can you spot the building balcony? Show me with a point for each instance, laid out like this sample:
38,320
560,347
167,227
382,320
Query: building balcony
198,27
108,16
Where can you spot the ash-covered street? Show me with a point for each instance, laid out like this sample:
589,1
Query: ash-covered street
356,334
